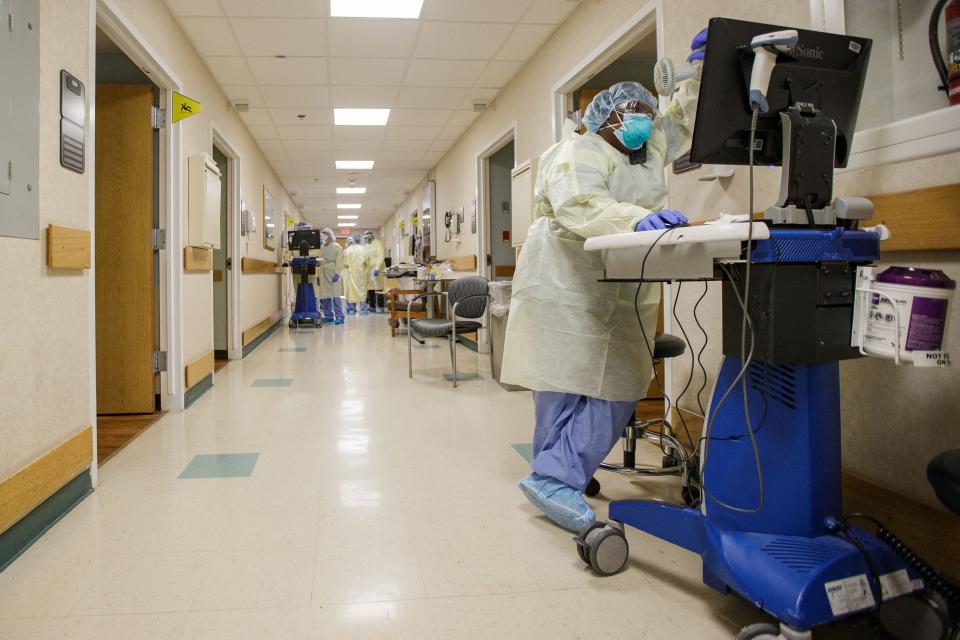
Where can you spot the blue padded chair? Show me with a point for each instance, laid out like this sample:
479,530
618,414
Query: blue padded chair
467,298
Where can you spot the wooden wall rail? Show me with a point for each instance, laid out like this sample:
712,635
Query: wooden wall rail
920,220
197,259
68,248
464,263
198,369
253,265
254,332
26,489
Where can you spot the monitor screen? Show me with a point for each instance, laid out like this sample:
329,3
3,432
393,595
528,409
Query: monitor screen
825,69
310,236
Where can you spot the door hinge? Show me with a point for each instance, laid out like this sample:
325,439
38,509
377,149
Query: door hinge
158,239
158,118
229,264
159,361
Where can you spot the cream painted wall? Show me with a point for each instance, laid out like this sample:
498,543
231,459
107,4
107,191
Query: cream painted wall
44,357
259,295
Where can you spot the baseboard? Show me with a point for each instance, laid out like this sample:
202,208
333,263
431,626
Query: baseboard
193,393
18,538
256,342
468,343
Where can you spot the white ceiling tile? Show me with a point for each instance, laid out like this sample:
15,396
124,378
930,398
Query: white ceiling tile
524,41
549,11
229,70
406,145
431,158
440,145
310,157
451,133
420,117
366,38
211,36
443,73
475,10
462,117
498,73
477,94
295,132
273,8
263,131
460,40
296,96
277,157
412,133
282,36
358,133
244,93
397,159
363,97
292,116
273,145
321,147
256,116
357,148
430,97
269,71
194,7
374,71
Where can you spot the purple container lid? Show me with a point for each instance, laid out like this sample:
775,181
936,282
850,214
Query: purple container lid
911,276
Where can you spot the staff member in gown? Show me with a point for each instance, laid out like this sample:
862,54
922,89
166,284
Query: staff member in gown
574,341
358,275
376,256
330,268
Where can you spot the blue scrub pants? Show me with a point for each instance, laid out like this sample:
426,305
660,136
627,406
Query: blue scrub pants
574,434
351,308
332,309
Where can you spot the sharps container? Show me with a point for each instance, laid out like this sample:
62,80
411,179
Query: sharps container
919,301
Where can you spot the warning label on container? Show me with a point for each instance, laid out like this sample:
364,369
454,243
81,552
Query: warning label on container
849,595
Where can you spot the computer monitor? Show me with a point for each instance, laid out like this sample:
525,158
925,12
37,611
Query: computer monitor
299,236
825,70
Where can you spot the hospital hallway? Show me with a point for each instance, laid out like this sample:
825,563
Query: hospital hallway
362,505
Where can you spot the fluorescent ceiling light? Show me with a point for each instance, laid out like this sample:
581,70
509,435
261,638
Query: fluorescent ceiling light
347,206
347,217
354,164
347,190
347,224
375,8
361,117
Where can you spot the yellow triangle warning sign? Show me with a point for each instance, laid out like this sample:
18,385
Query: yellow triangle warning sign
184,107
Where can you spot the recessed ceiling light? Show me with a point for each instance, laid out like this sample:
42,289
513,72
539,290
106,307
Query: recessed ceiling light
347,206
347,224
348,190
361,117
354,164
375,8
347,217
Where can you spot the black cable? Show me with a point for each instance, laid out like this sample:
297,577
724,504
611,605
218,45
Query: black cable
706,340
674,303
876,587
934,38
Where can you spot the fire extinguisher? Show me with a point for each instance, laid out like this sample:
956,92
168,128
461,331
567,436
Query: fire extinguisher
949,69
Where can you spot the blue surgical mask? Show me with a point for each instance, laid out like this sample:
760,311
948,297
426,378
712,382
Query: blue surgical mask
634,131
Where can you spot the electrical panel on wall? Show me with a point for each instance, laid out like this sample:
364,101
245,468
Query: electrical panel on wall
19,118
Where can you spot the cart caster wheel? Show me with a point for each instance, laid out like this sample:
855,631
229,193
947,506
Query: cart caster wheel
292,324
606,547
581,539
592,488
759,631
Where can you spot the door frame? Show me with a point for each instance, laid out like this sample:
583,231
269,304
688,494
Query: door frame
232,173
107,16
498,142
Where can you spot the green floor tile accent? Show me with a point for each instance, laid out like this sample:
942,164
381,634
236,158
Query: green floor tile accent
220,465
461,376
28,529
525,449
426,346
193,393
272,382
292,349
468,343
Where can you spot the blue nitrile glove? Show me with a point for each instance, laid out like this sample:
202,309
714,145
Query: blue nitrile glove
336,277
661,220
376,272
697,45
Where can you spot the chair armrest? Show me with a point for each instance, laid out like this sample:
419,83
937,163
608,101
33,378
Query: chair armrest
420,296
476,295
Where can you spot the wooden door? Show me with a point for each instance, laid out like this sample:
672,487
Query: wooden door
126,316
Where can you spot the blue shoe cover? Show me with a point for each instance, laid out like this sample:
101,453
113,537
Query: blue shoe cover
561,503
338,321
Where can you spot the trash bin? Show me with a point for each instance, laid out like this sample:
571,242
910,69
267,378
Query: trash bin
499,312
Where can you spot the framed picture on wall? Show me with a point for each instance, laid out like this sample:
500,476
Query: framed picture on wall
269,221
